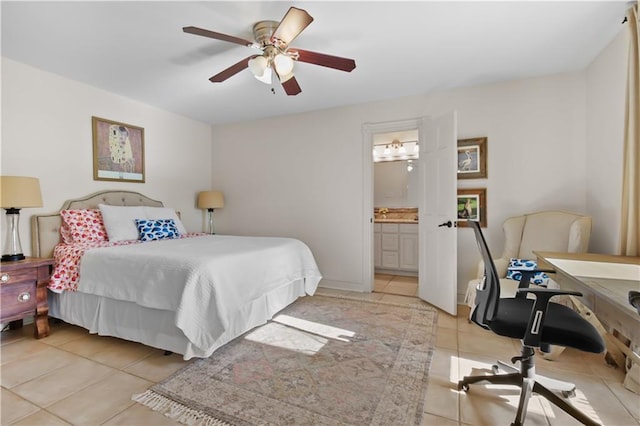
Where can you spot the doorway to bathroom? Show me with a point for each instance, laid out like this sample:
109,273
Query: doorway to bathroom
436,245
396,197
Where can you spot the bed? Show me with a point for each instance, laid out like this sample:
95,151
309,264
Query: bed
188,294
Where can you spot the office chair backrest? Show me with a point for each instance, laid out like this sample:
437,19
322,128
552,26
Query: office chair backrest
488,291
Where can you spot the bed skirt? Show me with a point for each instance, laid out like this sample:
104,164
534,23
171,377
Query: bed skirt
155,327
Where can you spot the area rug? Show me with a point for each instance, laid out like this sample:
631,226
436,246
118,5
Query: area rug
321,361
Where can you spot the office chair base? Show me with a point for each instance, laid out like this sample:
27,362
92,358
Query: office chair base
529,383
566,389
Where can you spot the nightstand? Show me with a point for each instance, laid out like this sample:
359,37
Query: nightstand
23,292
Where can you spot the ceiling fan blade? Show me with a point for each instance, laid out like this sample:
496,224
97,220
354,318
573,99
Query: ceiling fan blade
292,24
335,62
217,36
232,70
291,86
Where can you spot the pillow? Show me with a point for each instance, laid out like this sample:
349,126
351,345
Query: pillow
539,278
120,221
65,232
156,229
83,226
164,213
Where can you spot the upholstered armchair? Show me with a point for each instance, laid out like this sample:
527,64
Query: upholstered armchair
544,231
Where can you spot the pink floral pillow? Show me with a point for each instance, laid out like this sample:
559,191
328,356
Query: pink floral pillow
65,233
84,226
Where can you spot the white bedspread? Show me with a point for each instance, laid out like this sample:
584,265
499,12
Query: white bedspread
202,279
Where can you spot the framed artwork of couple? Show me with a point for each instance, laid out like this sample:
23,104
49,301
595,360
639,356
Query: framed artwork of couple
118,151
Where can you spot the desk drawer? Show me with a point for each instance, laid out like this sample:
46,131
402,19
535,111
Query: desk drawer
18,299
18,276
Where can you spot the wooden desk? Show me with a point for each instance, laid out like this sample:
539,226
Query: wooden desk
604,281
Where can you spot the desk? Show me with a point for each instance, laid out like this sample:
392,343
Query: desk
604,281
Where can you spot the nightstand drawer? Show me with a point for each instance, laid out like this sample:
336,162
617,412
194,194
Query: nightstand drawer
18,299
18,276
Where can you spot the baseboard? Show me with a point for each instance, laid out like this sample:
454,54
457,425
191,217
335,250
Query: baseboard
342,285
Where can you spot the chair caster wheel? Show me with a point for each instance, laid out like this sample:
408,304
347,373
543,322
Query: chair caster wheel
495,369
463,386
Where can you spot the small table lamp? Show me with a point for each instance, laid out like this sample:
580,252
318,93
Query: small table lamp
17,192
210,200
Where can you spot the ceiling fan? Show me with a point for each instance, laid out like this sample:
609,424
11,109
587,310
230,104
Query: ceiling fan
272,38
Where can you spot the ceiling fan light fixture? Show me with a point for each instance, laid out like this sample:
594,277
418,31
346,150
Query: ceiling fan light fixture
265,77
258,66
283,64
285,77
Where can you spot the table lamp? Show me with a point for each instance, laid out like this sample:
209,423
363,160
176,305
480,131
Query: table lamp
17,192
210,200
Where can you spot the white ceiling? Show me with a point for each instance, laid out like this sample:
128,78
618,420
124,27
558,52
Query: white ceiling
138,49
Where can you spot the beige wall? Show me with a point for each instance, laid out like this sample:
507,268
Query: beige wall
606,85
553,143
46,133
302,175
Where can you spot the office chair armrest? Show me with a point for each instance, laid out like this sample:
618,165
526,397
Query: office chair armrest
539,311
525,279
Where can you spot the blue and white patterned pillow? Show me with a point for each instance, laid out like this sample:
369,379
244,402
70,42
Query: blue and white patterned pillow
539,278
156,229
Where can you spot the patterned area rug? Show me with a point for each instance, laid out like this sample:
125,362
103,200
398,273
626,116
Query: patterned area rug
321,361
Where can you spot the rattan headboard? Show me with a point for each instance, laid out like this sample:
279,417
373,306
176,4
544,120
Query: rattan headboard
45,229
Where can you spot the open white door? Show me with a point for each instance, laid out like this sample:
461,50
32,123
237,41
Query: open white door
437,282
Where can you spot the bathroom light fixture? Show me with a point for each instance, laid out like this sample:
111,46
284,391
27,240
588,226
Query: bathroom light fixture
210,200
17,192
396,151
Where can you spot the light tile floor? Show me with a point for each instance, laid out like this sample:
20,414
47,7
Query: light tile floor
72,377
396,284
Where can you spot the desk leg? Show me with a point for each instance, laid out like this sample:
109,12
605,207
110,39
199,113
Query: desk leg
614,346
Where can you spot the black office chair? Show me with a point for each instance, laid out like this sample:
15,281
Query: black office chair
634,299
539,323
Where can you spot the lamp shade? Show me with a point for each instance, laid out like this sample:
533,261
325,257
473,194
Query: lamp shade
210,200
19,192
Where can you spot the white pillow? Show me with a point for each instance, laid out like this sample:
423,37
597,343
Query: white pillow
119,221
164,213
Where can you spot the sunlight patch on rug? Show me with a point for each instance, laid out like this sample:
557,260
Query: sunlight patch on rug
322,361
315,327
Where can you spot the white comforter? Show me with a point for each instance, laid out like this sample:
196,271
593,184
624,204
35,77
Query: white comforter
204,279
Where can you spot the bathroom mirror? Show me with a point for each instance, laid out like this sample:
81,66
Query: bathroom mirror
396,184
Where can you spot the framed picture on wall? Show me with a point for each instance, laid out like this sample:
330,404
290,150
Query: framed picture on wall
118,151
472,158
472,205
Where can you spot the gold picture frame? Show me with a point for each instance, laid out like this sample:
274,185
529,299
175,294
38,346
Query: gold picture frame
472,205
118,151
472,158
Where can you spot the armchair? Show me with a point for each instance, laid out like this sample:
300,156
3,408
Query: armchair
546,231
538,323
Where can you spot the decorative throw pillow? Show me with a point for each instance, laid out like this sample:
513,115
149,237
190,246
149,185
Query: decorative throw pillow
164,213
539,278
83,225
156,229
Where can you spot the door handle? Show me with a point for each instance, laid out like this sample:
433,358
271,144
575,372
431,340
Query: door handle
448,224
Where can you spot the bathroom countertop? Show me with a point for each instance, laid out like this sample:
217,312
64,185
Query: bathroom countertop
394,220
